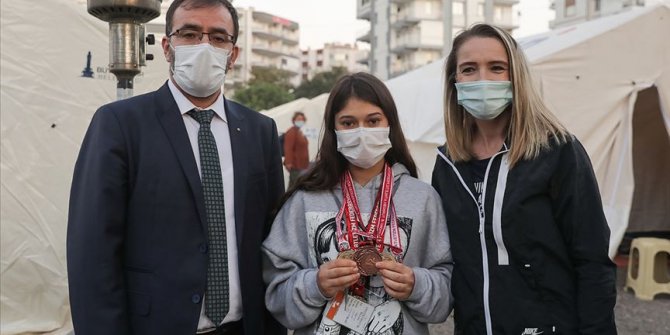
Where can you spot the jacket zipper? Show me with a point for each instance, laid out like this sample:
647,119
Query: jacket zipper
482,235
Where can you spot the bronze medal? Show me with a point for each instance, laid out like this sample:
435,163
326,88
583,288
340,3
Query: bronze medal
387,256
347,254
366,257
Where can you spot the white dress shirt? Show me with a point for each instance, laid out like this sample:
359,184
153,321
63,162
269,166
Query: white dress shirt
219,128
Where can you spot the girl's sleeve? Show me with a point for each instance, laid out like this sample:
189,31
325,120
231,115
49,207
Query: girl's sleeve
293,296
431,300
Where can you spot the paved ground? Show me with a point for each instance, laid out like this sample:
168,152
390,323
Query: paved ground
633,316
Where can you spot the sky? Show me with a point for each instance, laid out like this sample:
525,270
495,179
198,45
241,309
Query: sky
325,21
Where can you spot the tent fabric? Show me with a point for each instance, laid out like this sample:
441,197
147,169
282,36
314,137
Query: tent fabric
598,77
46,107
590,75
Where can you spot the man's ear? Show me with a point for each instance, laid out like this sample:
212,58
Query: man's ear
165,43
233,57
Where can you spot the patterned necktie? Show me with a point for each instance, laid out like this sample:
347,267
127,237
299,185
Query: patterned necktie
216,297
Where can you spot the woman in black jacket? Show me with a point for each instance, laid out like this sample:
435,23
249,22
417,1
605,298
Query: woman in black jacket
529,237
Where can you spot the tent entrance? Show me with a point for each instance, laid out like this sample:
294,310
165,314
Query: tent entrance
650,209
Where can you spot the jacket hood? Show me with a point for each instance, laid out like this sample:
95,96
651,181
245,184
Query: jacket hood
398,171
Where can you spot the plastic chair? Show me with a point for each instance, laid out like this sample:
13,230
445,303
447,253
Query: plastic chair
648,268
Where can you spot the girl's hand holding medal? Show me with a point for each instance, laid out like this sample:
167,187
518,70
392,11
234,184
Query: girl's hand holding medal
398,278
337,275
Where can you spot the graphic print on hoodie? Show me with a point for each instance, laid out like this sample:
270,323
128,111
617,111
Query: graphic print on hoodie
387,318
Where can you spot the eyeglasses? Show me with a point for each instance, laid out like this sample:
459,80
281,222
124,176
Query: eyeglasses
189,36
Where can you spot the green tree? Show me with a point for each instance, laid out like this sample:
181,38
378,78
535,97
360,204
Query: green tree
269,87
261,96
272,75
321,83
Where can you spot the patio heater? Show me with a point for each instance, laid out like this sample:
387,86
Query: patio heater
127,38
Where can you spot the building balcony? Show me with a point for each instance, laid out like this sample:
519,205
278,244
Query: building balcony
507,25
364,60
364,9
266,51
365,36
290,41
505,2
272,52
275,34
272,19
403,20
412,46
266,35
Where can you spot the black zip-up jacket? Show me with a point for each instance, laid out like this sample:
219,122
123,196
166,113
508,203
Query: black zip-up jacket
546,268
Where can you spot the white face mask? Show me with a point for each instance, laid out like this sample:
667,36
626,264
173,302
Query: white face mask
299,124
199,69
363,147
484,100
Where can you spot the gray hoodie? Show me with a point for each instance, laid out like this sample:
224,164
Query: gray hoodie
302,238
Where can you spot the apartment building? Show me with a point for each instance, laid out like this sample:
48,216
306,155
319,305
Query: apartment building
569,12
267,40
407,34
333,55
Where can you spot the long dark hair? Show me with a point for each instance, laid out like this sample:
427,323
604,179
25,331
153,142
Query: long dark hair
330,164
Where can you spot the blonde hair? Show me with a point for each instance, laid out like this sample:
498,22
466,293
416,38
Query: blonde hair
531,125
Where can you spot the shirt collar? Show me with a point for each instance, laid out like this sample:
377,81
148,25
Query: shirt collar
185,105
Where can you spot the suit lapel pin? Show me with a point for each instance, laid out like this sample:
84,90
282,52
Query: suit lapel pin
238,130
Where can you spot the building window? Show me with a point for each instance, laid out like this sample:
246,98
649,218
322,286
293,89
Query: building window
305,64
570,9
498,13
457,8
597,5
319,63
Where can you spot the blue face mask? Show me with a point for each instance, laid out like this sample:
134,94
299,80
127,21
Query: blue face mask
484,100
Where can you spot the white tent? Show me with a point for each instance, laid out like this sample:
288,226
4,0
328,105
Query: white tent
46,106
608,80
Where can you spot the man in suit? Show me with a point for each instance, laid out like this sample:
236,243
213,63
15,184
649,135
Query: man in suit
172,197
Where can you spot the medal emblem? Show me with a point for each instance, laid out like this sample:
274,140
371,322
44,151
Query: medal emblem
365,258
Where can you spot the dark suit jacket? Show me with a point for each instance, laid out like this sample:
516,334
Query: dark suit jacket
137,233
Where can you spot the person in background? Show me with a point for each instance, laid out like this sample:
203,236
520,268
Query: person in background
296,151
172,196
529,236
360,205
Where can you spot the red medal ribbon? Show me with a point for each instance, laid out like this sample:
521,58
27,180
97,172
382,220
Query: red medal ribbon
374,231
